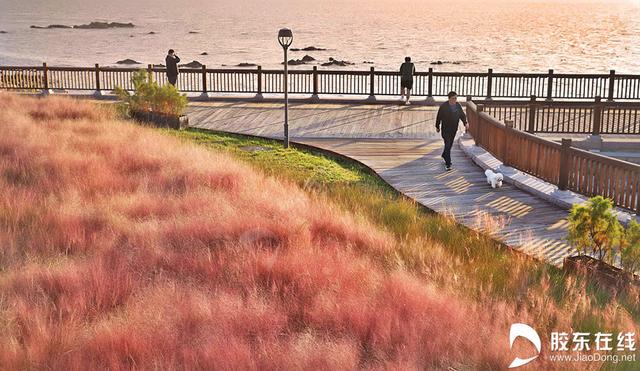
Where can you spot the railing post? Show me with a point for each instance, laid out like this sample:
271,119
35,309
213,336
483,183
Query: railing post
550,86
98,92
259,93
563,179
205,90
45,80
314,96
150,72
508,128
533,107
372,87
597,116
430,86
489,83
477,138
612,81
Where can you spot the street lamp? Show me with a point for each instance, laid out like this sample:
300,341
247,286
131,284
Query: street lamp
285,38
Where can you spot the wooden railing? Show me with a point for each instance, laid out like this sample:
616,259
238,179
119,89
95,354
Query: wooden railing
597,117
567,167
429,83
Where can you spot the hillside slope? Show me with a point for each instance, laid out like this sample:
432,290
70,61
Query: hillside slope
123,247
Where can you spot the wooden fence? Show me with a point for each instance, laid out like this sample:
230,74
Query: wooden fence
567,167
597,117
429,83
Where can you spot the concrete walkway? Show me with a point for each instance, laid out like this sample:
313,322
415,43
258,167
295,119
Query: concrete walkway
400,144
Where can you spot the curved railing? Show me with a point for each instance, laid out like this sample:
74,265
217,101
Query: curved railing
556,117
316,81
567,167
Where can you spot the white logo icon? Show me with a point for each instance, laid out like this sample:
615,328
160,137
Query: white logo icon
525,331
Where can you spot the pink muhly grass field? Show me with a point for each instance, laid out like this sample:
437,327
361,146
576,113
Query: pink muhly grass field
125,248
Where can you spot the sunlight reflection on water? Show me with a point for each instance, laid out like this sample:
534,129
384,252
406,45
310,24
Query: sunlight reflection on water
507,37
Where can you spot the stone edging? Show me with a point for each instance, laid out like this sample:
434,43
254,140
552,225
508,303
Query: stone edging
529,183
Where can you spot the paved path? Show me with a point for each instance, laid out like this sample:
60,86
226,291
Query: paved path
401,145
317,120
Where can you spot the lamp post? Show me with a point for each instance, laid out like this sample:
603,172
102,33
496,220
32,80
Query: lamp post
285,38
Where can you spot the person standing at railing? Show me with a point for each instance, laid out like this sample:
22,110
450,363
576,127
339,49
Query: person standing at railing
407,69
172,61
449,115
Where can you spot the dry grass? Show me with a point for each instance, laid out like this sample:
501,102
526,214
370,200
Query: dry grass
124,248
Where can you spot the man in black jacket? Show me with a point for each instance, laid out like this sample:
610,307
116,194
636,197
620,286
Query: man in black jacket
172,61
449,115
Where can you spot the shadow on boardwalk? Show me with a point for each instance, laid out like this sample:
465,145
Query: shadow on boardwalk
401,145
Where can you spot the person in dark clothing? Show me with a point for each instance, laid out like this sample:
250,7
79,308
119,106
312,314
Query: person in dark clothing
407,69
449,115
172,61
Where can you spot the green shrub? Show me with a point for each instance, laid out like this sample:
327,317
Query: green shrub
149,96
594,228
630,247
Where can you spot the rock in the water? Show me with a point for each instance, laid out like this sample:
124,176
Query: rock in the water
204,53
367,62
446,62
245,64
127,61
92,25
193,64
104,25
1,32
294,62
335,62
308,49
52,26
151,33
193,32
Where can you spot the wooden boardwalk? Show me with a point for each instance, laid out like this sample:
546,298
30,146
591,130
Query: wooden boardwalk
317,120
400,144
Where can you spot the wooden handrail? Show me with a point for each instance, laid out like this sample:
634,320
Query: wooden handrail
428,83
560,164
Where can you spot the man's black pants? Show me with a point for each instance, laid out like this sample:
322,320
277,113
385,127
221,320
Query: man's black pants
173,79
448,143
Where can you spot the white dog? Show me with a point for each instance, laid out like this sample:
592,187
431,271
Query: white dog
495,179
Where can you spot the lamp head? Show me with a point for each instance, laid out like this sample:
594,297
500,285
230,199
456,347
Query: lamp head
285,37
